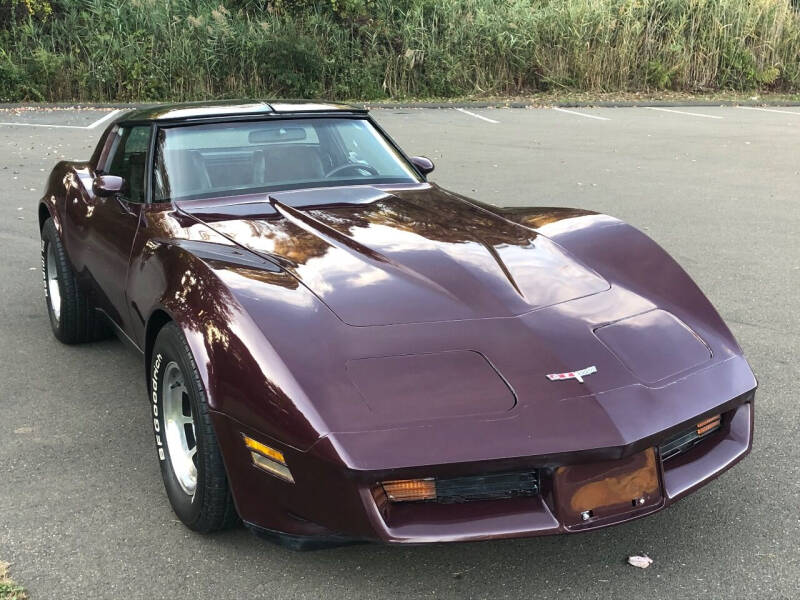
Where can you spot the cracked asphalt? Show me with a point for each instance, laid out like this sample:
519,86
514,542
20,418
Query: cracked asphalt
83,513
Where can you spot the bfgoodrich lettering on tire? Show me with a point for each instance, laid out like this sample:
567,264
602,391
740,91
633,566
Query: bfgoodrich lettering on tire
191,463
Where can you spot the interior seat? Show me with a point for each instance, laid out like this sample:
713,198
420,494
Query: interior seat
137,164
288,162
188,172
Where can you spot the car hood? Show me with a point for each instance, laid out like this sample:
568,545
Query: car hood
394,256
446,319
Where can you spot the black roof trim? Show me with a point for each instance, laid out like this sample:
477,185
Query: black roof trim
191,111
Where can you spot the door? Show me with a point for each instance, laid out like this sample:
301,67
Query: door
109,224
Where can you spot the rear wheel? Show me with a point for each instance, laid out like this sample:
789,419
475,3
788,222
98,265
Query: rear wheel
72,316
191,462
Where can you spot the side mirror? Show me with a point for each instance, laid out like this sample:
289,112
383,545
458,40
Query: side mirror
424,165
108,185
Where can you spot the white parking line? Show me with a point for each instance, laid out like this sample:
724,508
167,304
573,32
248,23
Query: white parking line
472,114
580,114
42,125
91,126
682,112
772,110
101,120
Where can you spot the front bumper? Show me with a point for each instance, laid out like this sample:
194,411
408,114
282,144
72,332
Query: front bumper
332,504
549,513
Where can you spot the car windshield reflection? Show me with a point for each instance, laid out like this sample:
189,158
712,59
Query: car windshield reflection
205,160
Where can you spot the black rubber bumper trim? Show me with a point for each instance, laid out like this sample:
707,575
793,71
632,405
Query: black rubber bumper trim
303,543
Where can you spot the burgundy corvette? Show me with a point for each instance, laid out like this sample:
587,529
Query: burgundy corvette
336,349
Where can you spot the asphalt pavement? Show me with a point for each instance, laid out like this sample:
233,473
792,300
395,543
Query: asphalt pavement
83,513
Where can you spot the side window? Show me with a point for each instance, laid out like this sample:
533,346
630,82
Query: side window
128,159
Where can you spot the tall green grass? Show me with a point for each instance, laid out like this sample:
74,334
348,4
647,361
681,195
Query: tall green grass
181,49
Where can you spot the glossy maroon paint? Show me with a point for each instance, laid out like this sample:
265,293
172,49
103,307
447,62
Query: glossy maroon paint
424,164
319,320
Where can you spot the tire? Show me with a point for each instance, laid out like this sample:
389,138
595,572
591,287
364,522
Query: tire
191,463
72,316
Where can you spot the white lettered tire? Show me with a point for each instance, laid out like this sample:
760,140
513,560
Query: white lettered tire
191,462
72,316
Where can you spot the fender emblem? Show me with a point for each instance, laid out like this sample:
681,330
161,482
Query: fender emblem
579,375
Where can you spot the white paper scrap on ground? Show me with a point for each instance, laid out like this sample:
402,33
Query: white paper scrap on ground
640,561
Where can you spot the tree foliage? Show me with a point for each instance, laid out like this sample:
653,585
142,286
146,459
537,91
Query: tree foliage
366,49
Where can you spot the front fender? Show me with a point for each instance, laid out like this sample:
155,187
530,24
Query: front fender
244,376
629,259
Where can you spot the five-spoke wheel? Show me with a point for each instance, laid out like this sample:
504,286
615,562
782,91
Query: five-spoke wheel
179,432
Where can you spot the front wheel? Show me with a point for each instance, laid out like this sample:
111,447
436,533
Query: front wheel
191,462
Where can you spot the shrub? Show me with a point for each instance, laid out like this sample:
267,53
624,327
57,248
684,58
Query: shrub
182,49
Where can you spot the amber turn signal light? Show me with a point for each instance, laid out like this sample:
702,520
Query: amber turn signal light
410,490
268,459
708,425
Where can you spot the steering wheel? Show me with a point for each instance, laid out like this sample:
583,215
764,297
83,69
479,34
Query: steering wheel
352,166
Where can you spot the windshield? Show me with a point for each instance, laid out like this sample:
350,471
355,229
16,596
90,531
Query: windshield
200,161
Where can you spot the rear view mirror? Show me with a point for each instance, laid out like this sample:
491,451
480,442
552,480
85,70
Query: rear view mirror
286,133
108,185
424,165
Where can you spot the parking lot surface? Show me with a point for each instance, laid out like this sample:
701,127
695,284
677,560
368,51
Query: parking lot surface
83,513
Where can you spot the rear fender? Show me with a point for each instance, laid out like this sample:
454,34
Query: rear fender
68,179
